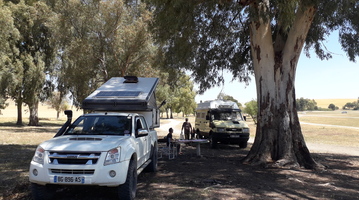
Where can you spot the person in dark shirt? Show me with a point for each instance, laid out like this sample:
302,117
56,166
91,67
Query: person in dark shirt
169,140
169,137
187,128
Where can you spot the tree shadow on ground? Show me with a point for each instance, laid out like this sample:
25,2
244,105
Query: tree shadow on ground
14,166
218,174
43,122
45,128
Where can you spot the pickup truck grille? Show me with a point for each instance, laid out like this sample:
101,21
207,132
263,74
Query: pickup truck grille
74,158
72,171
234,129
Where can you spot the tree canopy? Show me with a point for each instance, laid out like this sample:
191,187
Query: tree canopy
262,37
306,104
252,109
352,105
177,89
52,50
28,54
100,40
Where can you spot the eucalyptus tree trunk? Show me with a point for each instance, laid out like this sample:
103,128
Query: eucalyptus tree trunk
167,116
19,112
279,140
33,110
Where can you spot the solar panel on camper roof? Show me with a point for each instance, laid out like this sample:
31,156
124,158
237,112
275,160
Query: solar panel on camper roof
118,94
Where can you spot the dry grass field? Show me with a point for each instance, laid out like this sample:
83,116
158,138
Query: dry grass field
324,103
331,136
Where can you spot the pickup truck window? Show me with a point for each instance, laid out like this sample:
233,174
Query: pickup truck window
141,125
100,125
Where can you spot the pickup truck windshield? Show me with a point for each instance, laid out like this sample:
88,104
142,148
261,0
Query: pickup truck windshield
100,125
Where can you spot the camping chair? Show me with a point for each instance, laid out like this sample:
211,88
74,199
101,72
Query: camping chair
170,151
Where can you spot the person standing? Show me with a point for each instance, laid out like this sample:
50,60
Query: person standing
187,128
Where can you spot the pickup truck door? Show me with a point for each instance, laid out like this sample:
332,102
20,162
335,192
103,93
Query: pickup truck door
141,133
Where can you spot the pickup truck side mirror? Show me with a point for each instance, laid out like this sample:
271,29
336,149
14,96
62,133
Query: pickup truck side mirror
142,132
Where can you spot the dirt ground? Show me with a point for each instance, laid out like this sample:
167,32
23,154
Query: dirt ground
219,175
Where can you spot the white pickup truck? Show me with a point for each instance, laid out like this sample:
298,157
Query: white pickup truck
104,148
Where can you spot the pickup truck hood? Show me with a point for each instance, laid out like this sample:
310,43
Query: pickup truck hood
83,143
230,124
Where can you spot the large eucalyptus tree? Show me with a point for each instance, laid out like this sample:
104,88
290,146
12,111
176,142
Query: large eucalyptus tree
9,36
264,37
31,57
100,40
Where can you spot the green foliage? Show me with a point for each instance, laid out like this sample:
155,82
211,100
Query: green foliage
177,89
9,36
78,45
351,105
58,102
183,95
332,107
208,37
306,104
29,53
251,108
107,38
206,41
163,92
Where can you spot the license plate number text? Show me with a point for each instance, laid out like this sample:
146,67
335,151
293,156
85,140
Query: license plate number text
68,179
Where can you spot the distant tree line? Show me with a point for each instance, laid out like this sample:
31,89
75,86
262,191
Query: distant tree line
351,105
303,104
306,104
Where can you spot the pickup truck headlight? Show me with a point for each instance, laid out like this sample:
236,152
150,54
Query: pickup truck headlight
39,155
246,130
113,156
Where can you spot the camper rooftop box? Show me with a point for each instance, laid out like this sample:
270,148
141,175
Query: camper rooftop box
217,104
129,93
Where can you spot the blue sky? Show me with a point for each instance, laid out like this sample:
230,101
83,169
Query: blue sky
337,78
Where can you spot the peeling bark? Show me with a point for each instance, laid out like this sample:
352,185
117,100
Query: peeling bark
279,141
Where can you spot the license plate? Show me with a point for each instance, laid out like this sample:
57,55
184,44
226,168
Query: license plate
234,136
69,179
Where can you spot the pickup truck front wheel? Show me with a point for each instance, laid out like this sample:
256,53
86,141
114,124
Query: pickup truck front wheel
127,191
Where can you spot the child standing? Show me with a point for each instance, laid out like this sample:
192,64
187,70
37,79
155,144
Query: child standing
169,140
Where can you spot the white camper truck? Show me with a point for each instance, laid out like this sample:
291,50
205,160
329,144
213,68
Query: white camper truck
108,147
221,121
